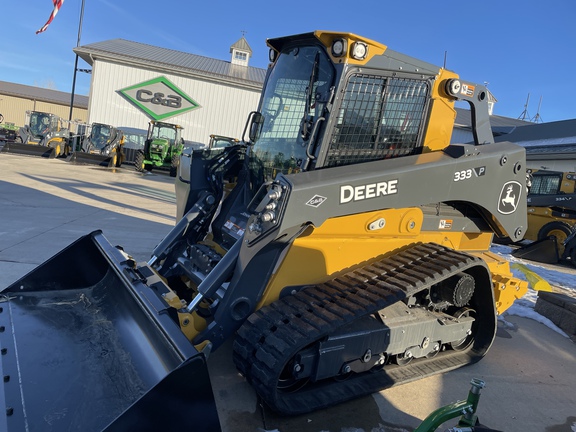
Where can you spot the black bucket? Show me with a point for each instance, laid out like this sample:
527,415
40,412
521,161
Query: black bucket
87,345
29,149
83,158
544,251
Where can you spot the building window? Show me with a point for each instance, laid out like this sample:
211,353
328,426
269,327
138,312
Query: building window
242,56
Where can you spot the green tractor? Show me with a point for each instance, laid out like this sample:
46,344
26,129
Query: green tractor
162,149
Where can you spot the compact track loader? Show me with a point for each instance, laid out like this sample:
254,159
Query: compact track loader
43,135
551,218
551,206
343,245
104,147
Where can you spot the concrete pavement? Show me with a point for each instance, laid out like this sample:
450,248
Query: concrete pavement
47,204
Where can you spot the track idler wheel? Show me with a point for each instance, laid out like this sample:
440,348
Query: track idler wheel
288,382
465,342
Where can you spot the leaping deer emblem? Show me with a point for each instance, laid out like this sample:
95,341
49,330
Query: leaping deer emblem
509,198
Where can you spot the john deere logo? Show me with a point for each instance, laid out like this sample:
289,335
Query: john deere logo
509,197
159,98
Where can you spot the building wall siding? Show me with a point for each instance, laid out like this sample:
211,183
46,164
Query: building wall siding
223,109
14,109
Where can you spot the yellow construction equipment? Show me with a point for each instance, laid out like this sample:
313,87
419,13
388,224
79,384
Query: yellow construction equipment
551,206
551,218
44,134
103,146
343,244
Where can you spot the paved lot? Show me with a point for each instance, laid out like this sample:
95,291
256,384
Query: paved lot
47,204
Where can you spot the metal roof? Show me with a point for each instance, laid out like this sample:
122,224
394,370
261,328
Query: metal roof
128,52
556,149
499,124
556,131
545,138
42,94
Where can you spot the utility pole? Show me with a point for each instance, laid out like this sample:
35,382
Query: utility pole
76,61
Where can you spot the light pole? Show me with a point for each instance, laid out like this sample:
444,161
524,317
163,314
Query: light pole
76,61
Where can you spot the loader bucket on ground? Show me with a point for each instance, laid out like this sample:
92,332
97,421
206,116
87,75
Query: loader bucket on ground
29,149
83,158
544,251
87,345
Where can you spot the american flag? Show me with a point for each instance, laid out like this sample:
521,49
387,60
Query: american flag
57,6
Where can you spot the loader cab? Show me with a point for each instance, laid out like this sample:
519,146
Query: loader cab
163,141
42,123
333,99
551,206
552,183
100,135
293,110
165,131
102,139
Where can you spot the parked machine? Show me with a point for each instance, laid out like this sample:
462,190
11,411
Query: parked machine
551,205
162,149
551,218
134,140
104,146
216,142
343,245
8,131
220,141
44,135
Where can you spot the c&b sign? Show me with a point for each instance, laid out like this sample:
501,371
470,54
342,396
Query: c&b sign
159,98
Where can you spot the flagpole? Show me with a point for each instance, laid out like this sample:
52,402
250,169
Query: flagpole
76,61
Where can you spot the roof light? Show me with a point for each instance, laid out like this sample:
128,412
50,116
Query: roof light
272,55
359,50
339,47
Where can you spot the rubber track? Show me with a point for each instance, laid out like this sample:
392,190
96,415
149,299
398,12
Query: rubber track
274,334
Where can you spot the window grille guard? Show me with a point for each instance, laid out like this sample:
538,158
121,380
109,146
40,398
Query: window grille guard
380,117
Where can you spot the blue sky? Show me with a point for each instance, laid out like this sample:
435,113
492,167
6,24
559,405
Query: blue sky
519,48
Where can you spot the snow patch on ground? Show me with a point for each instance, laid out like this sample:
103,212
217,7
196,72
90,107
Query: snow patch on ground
524,307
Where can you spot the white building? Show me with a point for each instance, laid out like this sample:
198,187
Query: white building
133,83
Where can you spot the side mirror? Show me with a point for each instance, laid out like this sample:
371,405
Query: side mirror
256,122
